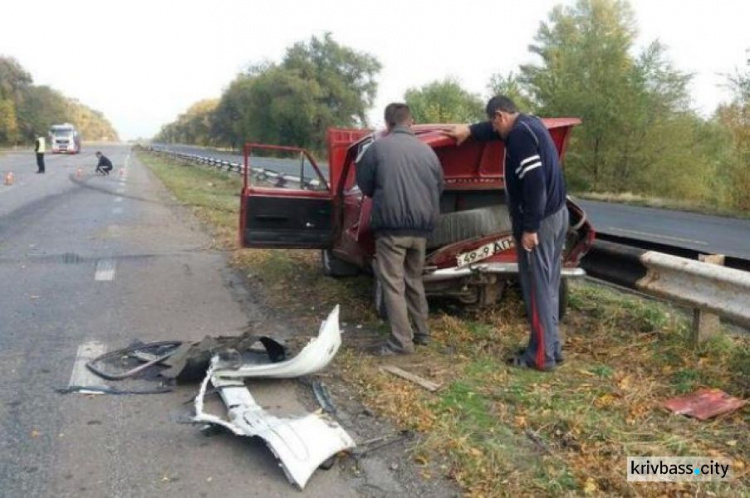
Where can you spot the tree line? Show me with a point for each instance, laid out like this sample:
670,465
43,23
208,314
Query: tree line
27,110
640,133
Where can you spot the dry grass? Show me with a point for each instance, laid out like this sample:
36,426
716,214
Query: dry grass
501,431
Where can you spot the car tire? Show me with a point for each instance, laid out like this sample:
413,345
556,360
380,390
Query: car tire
336,267
465,225
378,298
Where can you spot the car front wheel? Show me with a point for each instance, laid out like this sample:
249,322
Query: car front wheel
335,267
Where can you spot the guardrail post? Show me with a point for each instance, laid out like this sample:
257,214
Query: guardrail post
705,323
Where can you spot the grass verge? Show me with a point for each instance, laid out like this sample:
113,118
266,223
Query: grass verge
655,202
500,431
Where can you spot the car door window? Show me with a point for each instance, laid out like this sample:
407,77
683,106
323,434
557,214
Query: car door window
286,169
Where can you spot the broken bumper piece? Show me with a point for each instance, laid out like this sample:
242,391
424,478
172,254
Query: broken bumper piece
301,444
314,357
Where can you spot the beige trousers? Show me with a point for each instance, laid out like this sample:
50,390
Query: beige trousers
399,262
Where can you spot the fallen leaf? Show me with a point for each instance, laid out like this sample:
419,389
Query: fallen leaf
624,383
35,433
590,487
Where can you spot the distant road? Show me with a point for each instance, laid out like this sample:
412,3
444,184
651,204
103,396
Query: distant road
710,234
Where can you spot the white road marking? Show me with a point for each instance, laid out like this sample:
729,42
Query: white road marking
82,376
105,270
120,190
118,199
117,210
656,236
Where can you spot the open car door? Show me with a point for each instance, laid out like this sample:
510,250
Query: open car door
286,200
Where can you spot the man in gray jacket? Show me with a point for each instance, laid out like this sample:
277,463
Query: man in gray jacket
405,180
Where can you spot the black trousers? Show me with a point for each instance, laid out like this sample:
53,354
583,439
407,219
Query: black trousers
40,162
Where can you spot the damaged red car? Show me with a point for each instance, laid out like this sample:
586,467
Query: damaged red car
289,201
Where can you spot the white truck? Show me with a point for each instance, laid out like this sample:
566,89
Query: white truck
64,139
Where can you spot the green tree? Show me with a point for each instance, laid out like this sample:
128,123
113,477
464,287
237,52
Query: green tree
194,126
444,102
27,111
637,130
318,84
91,124
41,107
8,125
735,118
14,79
345,79
511,87
14,83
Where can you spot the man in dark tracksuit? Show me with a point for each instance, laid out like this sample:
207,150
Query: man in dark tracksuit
404,178
536,198
105,165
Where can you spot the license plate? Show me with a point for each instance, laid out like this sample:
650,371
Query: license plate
485,251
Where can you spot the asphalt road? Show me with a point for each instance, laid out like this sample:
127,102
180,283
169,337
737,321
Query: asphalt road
97,262
710,234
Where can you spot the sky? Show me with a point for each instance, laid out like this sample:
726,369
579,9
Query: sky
143,62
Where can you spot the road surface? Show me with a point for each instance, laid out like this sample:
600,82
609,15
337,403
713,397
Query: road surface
91,263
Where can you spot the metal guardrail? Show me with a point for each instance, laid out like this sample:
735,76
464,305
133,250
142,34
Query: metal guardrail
730,261
275,178
720,290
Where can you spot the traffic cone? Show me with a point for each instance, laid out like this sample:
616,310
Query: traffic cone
9,177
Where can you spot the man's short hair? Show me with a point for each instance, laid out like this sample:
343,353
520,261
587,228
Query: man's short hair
500,103
396,114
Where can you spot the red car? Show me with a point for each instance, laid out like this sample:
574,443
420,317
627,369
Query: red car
471,254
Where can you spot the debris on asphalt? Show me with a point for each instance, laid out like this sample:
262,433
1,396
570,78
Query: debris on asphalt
112,390
427,384
370,445
170,361
164,349
323,398
704,404
301,444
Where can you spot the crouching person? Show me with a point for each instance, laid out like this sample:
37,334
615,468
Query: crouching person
105,165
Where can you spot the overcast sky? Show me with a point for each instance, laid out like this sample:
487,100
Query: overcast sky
143,62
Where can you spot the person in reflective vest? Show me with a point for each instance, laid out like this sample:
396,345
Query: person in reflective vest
40,146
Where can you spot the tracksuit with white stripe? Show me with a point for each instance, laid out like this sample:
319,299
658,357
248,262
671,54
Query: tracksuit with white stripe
535,189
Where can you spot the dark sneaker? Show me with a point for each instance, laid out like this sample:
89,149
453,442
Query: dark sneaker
421,339
522,362
559,358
